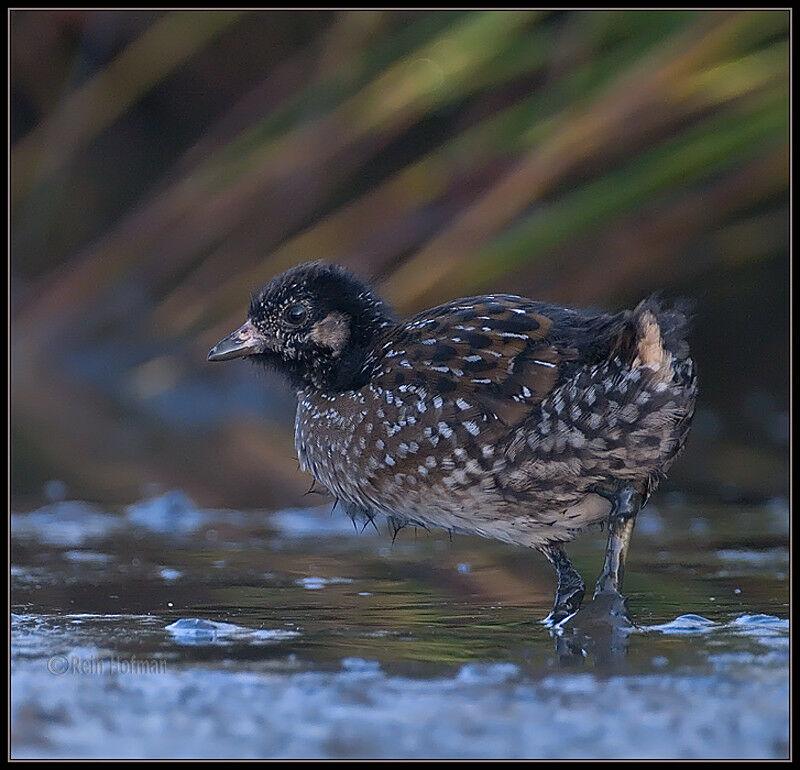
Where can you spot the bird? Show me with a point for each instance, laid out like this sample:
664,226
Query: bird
494,415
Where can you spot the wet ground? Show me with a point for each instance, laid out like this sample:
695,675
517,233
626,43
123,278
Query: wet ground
168,631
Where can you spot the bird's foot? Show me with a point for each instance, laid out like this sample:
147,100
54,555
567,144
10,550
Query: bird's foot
571,587
568,602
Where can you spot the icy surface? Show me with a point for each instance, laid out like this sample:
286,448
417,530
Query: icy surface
684,624
175,512
315,583
66,523
168,630
362,712
199,631
315,523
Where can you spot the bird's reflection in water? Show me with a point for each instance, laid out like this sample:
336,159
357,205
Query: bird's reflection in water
599,632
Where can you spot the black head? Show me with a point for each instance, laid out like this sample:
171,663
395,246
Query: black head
316,323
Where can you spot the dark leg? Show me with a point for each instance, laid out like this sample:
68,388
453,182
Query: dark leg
571,587
625,504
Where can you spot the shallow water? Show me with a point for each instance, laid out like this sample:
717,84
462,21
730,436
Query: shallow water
169,631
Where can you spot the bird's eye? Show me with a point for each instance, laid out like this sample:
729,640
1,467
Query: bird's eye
296,314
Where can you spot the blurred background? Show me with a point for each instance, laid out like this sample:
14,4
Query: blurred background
165,164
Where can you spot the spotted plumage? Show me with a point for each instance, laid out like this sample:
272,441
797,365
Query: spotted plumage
494,415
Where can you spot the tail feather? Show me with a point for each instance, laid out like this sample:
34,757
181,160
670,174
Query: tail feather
672,322
654,334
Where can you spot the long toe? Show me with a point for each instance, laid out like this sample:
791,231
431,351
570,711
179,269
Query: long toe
566,604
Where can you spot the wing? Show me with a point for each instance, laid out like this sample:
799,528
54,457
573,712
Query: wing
469,373
493,357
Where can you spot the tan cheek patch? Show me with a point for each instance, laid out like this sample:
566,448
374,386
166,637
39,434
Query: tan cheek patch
332,332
